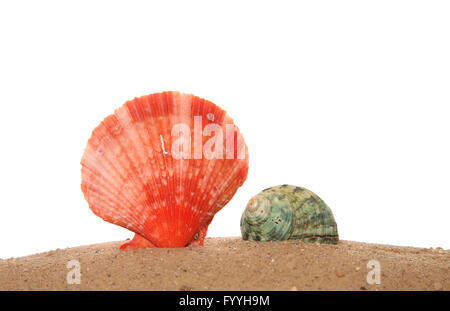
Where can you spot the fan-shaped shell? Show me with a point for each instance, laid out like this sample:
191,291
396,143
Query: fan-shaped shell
288,213
162,166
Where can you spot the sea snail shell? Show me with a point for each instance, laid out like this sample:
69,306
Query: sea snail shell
288,213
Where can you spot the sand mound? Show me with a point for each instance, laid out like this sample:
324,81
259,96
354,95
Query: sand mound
232,264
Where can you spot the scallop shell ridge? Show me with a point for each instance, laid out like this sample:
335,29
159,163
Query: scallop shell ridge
130,176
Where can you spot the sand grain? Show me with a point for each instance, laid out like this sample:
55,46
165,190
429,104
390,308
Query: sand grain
232,264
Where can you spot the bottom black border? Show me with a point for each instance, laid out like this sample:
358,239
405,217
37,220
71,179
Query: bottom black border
233,300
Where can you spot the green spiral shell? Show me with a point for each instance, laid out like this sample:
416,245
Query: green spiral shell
288,213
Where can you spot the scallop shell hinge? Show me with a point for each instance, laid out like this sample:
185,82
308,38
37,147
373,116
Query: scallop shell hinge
288,213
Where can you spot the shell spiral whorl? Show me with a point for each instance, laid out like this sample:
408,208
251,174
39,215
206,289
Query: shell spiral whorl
288,213
258,210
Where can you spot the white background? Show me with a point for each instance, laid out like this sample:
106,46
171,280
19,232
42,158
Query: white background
347,98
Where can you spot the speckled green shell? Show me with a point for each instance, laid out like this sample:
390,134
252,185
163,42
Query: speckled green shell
288,213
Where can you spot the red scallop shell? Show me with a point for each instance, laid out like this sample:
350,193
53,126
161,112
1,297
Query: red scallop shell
130,176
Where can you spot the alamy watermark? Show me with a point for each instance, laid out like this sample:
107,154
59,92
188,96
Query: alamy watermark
74,274
221,144
374,275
